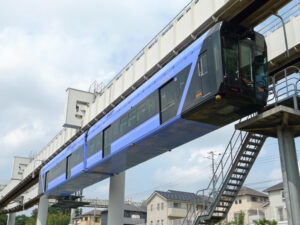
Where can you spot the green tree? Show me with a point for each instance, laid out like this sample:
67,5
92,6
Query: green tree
240,219
3,219
265,222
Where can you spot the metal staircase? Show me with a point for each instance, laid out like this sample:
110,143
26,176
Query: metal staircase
228,178
241,153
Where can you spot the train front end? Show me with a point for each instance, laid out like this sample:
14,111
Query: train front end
244,60
234,83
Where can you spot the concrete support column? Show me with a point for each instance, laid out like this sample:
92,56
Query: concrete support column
72,215
290,173
116,199
42,211
11,218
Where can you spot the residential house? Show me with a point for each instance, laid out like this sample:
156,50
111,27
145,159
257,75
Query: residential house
133,215
89,218
171,207
276,209
250,202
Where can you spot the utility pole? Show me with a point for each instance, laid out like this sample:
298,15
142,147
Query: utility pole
212,157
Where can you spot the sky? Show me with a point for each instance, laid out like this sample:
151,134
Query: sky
49,46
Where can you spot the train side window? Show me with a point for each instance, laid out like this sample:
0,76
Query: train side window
141,113
203,64
132,119
68,172
106,141
94,145
170,94
58,170
46,181
123,124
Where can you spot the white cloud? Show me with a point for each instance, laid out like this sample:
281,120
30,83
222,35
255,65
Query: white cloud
192,170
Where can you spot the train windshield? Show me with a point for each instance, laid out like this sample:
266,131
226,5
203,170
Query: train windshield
244,60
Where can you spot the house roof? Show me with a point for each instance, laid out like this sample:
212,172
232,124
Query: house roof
132,208
275,187
180,196
97,213
248,191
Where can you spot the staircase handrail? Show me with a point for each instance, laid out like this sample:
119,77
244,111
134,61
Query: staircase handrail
223,162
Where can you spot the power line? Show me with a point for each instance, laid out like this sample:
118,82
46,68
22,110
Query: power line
261,162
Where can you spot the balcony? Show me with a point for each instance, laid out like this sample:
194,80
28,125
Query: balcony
177,212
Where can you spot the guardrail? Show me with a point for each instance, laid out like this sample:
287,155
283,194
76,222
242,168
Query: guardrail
283,86
274,24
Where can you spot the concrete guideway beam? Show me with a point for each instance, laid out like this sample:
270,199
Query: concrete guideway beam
11,218
42,211
116,199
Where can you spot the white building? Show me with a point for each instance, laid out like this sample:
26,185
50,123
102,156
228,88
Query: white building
171,207
275,209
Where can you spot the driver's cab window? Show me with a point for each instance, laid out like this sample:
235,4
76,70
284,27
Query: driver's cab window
203,67
246,62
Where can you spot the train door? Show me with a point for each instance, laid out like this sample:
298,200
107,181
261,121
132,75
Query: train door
203,73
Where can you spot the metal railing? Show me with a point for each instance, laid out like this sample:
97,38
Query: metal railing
219,176
275,24
283,86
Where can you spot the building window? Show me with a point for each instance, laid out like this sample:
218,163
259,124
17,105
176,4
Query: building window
151,208
282,194
280,213
162,222
151,223
236,202
86,218
158,205
157,222
253,199
240,201
176,205
162,206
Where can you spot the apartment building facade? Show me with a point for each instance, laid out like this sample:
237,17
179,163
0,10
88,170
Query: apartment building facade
250,202
276,209
171,207
89,218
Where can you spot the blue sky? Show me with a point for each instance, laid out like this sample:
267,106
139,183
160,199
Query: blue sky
47,47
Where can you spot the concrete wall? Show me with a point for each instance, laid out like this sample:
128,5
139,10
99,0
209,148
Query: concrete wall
272,211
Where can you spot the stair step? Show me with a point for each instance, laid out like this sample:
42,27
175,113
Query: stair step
244,161
248,156
224,200
229,189
228,196
254,143
235,178
257,137
216,218
251,150
219,211
233,184
242,167
239,173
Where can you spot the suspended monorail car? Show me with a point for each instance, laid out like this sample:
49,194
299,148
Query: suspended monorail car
219,78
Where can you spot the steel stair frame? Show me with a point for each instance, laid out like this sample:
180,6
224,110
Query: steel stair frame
241,160
233,174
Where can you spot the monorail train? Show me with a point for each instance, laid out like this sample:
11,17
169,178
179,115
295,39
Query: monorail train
221,77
